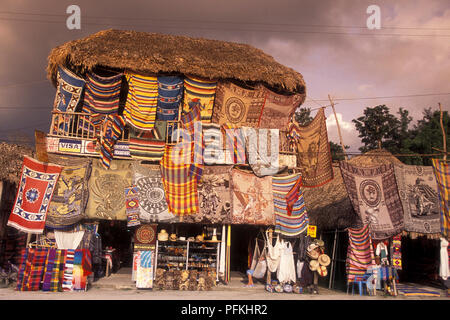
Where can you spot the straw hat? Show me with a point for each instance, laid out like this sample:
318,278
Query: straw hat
324,260
163,235
312,251
319,242
322,271
173,237
313,265
199,237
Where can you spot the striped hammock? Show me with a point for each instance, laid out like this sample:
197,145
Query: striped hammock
360,254
288,224
142,99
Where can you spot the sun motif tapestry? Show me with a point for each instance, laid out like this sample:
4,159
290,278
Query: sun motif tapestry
106,190
35,192
420,200
238,106
374,196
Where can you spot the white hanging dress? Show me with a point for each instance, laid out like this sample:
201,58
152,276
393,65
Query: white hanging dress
286,270
273,254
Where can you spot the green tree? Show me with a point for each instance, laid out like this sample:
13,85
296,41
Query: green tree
303,116
336,151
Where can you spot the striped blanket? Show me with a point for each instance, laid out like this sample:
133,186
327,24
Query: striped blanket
48,272
67,282
294,223
360,254
102,94
396,252
23,272
148,145
411,291
179,184
193,139
235,144
199,92
142,99
442,173
57,272
170,92
35,192
68,90
33,283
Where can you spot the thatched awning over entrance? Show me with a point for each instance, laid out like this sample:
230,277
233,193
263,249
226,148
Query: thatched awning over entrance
329,206
143,52
11,160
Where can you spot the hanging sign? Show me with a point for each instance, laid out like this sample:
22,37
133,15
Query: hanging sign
312,230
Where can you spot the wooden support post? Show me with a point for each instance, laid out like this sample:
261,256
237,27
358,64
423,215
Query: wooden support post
268,273
444,137
333,257
338,127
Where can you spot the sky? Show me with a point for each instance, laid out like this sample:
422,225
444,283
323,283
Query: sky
404,64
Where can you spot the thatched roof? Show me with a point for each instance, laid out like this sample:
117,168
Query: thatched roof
154,53
11,159
329,206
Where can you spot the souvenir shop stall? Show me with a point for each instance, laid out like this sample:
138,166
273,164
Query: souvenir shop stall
171,151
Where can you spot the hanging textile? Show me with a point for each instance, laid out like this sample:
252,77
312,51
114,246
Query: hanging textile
419,196
142,98
148,145
288,224
191,123
68,239
444,270
273,253
70,197
144,276
106,190
24,268
67,281
48,270
102,94
33,283
214,145
396,252
214,194
82,268
199,92
262,151
36,187
69,89
152,204
313,150
235,144
278,109
112,129
286,269
238,106
442,174
252,199
360,254
374,196
180,185
170,92
132,206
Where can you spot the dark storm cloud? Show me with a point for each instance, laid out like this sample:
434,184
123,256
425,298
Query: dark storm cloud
336,64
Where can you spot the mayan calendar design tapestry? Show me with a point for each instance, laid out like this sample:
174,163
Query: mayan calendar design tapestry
214,192
70,197
238,106
374,196
289,223
150,191
142,99
170,93
199,92
420,200
442,174
278,109
252,199
313,150
360,256
68,90
102,93
106,190
180,185
35,191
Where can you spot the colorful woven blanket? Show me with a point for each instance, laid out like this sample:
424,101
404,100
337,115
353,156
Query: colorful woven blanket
68,90
278,109
67,281
235,144
313,150
152,205
132,206
396,252
442,174
112,129
419,196
170,92
180,185
106,190
192,138
374,196
252,199
214,194
102,94
48,272
199,92
33,283
238,106
360,254
410,291
70,197
142,99
289,223
148,145
37,183
25,259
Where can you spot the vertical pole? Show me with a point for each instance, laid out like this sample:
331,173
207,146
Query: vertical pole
268,273
444,137
333,257
338,127
228,254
